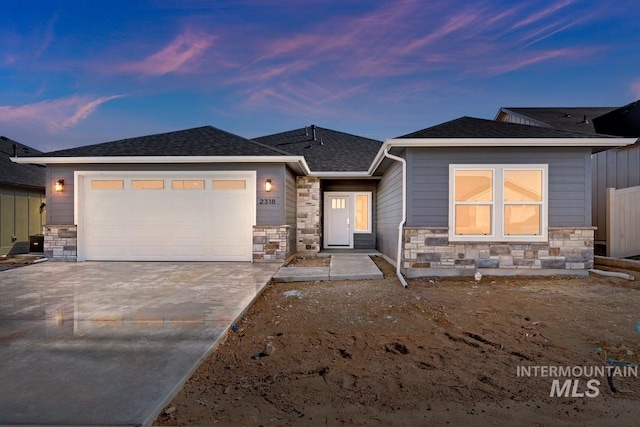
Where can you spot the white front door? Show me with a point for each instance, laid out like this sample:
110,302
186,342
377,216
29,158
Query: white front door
338,218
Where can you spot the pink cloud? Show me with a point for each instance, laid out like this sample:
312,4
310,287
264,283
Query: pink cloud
177,56
47,37
55,115
635,89
453,24
532,59
542,14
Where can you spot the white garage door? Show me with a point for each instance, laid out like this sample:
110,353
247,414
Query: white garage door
167,216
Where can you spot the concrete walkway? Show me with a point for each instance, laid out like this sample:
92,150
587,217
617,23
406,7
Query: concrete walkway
342,267
101,343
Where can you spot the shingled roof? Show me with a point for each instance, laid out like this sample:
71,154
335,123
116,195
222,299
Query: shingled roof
328,151
471,127
579,119
201,141
15,174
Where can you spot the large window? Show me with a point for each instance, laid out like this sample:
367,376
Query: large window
498,202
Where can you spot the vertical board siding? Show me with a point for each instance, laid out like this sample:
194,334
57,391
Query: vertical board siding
569,181
60,205
623,222
19,215
616,168
389,210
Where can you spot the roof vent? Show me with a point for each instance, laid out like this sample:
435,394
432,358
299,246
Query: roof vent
567,114
584,120
313,131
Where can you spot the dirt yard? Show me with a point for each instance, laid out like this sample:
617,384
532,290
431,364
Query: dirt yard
15,262
444,351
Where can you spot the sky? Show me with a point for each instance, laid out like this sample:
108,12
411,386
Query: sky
74,73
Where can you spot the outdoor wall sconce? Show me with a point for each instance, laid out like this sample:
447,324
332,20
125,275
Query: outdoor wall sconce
59,186
267,185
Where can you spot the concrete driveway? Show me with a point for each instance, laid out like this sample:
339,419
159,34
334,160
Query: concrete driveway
110,343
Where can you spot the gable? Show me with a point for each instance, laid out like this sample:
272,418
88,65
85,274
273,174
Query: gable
326,150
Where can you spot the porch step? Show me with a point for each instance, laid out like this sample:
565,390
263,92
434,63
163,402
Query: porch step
342,267
301,274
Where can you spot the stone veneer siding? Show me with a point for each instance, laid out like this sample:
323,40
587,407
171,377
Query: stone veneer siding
308,214
60,242
270,244
568,248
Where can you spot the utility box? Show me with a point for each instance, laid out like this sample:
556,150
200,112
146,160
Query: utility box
36,243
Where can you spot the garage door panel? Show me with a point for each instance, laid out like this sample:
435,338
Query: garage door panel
101,232
229,250
148,250
107,251
187,234
188,250
169,224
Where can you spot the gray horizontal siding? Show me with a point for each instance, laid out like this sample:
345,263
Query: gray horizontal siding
569,181
60,205
389,210
364,241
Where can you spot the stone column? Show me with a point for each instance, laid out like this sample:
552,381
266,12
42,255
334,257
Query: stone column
308,212
60,242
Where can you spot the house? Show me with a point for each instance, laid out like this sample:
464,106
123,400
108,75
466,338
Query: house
614,168
464,195
21,198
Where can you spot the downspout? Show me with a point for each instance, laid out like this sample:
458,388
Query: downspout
404,213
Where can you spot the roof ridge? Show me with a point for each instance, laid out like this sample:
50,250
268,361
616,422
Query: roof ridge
347,133
271,135
554,130
246,139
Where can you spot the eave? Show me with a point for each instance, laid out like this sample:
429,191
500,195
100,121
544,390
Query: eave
597,144
297,163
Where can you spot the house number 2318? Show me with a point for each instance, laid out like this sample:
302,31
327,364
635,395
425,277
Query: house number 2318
267,201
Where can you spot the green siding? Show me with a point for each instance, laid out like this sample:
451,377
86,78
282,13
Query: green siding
19,216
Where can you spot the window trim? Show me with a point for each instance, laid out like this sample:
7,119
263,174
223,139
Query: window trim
369,194
498,204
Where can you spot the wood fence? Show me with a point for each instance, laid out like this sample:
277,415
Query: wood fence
623,222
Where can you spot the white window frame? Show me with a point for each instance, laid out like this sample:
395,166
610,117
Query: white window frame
498,204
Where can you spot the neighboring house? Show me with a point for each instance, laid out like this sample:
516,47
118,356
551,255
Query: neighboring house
21,197
475,194
615,168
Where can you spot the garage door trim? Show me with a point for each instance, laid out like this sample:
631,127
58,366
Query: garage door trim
80,177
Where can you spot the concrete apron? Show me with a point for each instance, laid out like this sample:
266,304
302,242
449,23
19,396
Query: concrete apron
111,343
341,267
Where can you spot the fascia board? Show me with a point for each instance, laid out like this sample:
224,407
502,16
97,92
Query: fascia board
509,142
163,159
